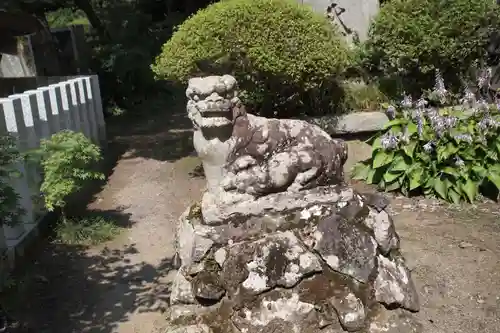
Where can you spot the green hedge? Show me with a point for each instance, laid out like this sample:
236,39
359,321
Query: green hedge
286,57
410,39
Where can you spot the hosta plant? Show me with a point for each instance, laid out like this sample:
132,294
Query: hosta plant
447,152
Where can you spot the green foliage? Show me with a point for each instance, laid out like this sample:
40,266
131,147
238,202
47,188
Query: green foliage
10,211
448,153
360,96
123,63
67,159
65,17
86,231
410,39
285,56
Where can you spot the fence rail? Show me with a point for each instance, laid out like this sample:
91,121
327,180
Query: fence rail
33,115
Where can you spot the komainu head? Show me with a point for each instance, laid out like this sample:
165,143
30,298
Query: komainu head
211,100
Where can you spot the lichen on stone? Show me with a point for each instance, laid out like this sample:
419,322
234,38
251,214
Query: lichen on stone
195,211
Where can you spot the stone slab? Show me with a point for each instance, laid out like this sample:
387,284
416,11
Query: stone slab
360,122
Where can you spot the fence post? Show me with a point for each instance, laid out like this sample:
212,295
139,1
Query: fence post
40,118
51,109
74,111
31,131
60,96
10,123
82,107
96,95
91,111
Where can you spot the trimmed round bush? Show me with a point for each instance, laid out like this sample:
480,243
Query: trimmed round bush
412,38
287,59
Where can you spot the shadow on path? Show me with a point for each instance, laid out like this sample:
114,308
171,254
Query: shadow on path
159,129
59,292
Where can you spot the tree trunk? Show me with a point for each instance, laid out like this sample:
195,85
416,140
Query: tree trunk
94,20
51,60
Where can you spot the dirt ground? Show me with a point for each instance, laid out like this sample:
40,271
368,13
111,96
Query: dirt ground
123,286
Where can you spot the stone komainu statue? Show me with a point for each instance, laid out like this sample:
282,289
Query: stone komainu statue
256,155
279,242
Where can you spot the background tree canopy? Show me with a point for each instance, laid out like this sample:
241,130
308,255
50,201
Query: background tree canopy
124,37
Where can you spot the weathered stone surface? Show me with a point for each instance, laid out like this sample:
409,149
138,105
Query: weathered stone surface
207,286
350,309
354,210
180,313
191,243
201,247
278,311
393,321
393,284
182,292
220,256
352,123
376,201
277,260
187,314
383,229
200,328
185,239
345,247
335,296
361,122
273,204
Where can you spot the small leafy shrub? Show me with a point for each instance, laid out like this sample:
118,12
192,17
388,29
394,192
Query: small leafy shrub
10,210
410,39
86,231
360,96
67,159
286,57
450,153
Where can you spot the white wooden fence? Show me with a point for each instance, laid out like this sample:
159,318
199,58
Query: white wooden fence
74,104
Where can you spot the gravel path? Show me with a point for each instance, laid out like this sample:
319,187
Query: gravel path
153,194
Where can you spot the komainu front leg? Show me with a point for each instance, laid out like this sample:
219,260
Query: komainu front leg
303,179
239,165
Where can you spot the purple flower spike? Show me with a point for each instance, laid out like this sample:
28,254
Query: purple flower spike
420,126
483,105
484,78
407,102
391,112
469,98
389,141
428,147
421,103
439,87
464,137
459,162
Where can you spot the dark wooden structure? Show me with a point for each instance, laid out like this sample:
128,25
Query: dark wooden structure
32,56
